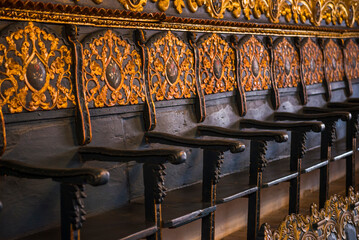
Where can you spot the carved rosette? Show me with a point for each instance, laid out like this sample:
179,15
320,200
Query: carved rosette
216,64
112,72
171,68
334,66
312,64
254,65
351,54
35,71
286,65
295,226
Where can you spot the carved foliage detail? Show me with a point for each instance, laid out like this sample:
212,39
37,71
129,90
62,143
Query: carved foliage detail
286,65
334,66
351,54
254,65
76,213
133,5
35,71
112,72
171,69
216,68
312,63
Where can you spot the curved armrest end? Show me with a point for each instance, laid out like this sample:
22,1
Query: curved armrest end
343,115
277,136
154,155
92,176
222,145
305,126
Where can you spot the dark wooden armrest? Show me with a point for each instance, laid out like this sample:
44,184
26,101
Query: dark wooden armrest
306,126
331,116
353,100
327,110
213,144
158,155
342,105
92,176
246,134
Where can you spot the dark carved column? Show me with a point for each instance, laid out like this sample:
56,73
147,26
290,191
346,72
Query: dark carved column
297,152
211,172
83,120
149,114
302,87
258,162
347,80
326,80
274,89
72,211
241,95
155,191
200,99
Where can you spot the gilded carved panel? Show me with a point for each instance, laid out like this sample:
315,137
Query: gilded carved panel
312,63
35,71
170,68
254,65
286,64
112,71
351,55
216,64
334,67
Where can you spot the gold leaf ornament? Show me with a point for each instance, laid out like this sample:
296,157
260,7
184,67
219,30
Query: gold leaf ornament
133,5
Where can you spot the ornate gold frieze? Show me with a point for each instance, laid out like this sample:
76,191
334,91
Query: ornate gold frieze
315,11
216,64
312,63
35,71
351,63
334,68
254,65
112,71
170,68
286,64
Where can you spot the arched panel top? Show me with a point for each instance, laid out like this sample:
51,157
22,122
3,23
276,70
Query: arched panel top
170,67
312,62
351,55
112,71
254,64
286,64
34,70
216,64
334,65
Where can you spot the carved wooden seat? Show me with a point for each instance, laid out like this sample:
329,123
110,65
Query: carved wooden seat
337,220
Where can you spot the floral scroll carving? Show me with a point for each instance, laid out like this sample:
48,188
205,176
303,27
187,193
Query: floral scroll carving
351,54
171,68
334,67
254,65
216,67
286,65
112,71
312,63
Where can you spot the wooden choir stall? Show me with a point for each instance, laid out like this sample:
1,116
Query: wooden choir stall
183,119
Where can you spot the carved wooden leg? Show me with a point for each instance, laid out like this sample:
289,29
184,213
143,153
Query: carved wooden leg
327,138
257,164
72,211
153,175
212,161
296,155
